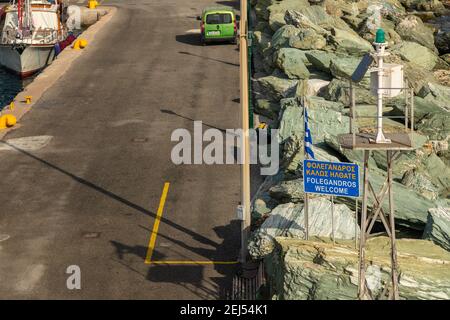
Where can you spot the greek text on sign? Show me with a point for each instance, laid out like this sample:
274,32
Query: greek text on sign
331,178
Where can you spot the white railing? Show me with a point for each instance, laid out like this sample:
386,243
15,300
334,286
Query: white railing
41,36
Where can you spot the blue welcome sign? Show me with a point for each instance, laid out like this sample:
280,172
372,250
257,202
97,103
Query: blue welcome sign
331,178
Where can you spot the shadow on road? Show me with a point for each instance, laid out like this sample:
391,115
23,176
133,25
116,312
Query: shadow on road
218,251
208,58
192,39
236,151
230,3
113,196
167,111
190,276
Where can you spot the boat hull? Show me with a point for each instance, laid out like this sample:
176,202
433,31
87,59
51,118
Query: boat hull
28,60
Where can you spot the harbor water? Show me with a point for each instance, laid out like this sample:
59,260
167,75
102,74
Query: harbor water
10,86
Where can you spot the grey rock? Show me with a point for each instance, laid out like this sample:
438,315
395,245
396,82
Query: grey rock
300,20
442,40
319,103
262,41
319,270
262,203
288,220
288,191
342,67
320,60
438,227
439,174
446,57
423,5
281,37
276,88
411,28
277,9
267,108
406,161
293,155
436,125
315,86
419,182
436,94
307,39
410,207
417,54
290,61
324,121
349,42
337,90
368,33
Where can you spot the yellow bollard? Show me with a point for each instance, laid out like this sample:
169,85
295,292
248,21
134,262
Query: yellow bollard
7,121
92,4
262,125
28,99
80,44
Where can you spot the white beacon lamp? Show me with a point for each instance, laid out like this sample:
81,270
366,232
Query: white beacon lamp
380,44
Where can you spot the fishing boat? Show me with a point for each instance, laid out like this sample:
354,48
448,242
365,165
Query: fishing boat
30,29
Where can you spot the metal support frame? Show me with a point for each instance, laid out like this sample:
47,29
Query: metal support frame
387,219
357,139
408,117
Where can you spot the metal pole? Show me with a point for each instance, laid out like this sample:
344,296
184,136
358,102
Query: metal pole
245,179
351,107
380,138
306,206
352,118
362,237
332,220
412,116
356,223
406,93
395,295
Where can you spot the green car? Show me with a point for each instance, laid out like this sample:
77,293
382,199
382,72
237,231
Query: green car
218,24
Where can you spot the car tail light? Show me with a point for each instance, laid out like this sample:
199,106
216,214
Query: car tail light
235,26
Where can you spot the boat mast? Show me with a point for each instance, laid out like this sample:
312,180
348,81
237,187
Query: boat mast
24,16
19,16
27,15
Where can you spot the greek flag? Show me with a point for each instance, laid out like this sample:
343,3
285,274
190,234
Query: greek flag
308,138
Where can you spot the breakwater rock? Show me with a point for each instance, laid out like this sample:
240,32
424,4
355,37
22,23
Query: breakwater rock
319,270
310,49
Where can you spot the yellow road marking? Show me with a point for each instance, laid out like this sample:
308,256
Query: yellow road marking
193,262
151,244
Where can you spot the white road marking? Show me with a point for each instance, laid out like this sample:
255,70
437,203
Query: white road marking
125,122
26,143
193,31
30,278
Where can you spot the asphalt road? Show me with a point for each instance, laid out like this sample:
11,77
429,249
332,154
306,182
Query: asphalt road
90,196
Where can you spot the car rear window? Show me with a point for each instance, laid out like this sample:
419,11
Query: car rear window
218,18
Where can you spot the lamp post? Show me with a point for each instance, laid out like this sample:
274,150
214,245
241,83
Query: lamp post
245,156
